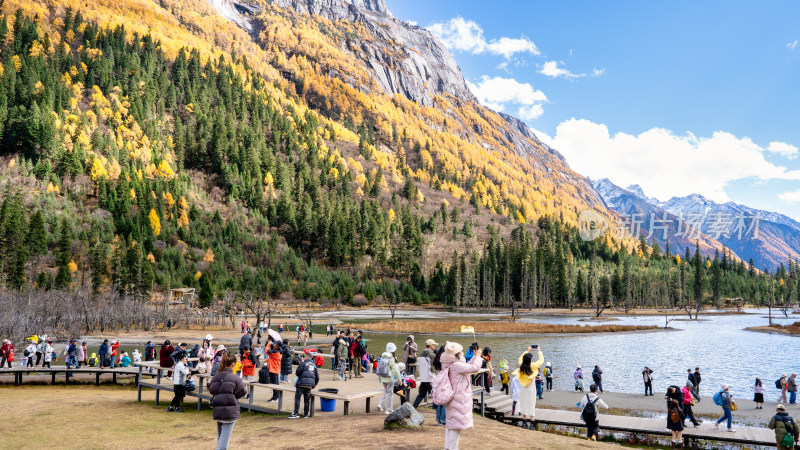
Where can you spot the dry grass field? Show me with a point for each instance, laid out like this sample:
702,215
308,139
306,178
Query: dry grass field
423,326
108,417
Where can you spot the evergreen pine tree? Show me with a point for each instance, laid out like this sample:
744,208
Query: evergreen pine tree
64,256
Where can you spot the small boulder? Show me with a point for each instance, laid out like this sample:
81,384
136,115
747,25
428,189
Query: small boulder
404,416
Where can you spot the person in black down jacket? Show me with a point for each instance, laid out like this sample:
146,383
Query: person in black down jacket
307,378
227,389
286,361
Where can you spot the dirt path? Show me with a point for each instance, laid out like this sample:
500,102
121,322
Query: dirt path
109,417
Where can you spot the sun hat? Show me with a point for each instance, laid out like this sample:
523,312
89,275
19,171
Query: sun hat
390,347
220,348
453,348
431,342
209,337
724,387
401,367
780,407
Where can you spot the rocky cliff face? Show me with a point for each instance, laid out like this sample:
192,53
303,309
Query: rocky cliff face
420,69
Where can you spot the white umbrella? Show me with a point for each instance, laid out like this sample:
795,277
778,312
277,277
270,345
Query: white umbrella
275,336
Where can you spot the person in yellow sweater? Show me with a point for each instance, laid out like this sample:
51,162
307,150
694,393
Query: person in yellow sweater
526,373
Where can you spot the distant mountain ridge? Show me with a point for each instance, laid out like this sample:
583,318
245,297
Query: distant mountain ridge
777,239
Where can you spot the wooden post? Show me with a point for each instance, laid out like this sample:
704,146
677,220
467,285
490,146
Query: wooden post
312,404
250,400
139,385
97,378
53,374
114,375
368,399
483,404
280,401
199,394
346,407
158,384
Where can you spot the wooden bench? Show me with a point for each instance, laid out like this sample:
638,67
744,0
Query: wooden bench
204,379
18,372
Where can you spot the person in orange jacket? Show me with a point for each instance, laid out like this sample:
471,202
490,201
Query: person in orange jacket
274,366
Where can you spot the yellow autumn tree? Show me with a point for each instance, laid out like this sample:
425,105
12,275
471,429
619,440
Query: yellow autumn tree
155,222
209,256
183,213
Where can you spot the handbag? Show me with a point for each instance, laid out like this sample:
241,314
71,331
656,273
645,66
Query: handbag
733,406
189,386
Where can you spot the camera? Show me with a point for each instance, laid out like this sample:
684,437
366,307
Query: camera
534,346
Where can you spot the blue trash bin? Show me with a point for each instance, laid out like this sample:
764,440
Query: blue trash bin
328,404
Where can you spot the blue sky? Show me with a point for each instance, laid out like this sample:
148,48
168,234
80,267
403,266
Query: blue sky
677,97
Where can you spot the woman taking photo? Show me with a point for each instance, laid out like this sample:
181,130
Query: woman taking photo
227,389
526,373
459,409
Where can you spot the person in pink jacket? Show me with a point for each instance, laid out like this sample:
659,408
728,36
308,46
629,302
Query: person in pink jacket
459,410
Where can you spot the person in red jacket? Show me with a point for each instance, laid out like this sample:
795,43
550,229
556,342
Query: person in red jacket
113,349
164,358
6,353
248,366
274,366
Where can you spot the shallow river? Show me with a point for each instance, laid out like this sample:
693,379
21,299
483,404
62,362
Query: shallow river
719,345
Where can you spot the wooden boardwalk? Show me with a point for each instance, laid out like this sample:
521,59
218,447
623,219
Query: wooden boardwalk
498,406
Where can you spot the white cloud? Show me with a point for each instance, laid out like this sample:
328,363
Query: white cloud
509,46
792,45
459,34
597,72
790,197
413,23
551,69
498,92
530,112
665,164
784,149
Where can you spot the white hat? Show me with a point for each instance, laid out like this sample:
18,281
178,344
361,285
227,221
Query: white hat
401,367
209,337
390,347
453,348
547,364
724,387
220,348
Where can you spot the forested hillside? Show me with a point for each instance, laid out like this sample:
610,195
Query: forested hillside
175,151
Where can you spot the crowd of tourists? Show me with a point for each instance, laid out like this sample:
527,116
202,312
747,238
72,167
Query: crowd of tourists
444,374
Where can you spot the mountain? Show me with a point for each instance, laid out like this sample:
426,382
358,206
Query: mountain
770,240
634,206
306,147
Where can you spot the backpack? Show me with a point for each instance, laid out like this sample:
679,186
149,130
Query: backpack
589,413
92,362
718,398
443,391
788,439
547,372
263,375
193,352
383,368
778,383
674,415
26,353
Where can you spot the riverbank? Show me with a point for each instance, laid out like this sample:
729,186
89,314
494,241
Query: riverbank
791,330
109,417
483,327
